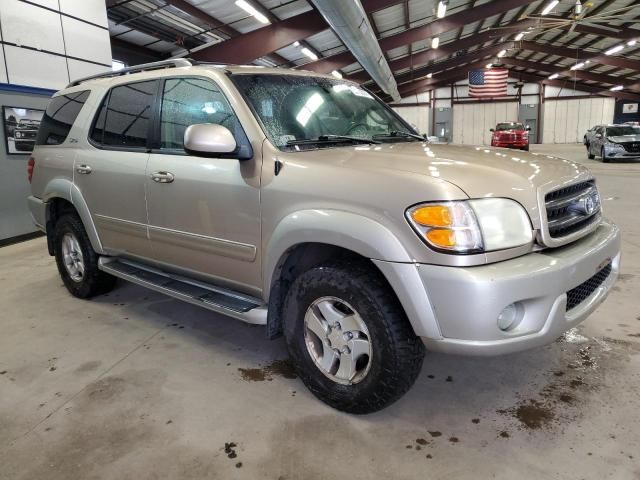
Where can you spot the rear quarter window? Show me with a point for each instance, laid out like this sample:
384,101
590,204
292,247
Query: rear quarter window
59,117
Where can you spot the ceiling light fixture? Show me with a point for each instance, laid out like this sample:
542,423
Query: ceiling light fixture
616,88
489,65
296,44
554,76
309,53
615,49
632,43
502,53
520,36
577,66
442,8
336,74
549,7
250,9
435,42
429,75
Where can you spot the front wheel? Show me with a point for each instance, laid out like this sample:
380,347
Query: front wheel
349,337
602,155
77,261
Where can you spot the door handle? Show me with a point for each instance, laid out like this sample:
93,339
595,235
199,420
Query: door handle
83,169
163,177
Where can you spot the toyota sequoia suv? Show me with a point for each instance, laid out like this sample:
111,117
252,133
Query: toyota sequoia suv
303,203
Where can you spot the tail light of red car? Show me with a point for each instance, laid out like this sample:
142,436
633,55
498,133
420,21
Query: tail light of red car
31,165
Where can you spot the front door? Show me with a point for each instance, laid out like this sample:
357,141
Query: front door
111,173
204,213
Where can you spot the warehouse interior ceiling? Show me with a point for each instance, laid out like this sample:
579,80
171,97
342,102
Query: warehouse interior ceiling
590,46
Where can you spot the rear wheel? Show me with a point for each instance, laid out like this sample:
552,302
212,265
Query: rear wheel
349,337
77,261
590,155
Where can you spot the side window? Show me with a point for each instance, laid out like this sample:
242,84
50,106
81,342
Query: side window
189,101
124,117
58,119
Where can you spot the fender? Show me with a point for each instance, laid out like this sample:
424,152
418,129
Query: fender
365,237
65,189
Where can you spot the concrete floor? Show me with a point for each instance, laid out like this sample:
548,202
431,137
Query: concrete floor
133,385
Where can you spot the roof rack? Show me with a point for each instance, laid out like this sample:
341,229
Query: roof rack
175,63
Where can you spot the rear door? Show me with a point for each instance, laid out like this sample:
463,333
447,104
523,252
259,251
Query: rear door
204,212
111,174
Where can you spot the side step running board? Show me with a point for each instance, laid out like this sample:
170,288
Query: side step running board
220,300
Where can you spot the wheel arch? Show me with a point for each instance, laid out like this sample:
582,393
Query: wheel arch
305,239
62,196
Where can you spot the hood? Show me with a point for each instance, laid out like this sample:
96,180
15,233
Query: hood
478,171
625,138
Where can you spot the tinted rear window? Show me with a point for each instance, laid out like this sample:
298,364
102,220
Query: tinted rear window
124,117
59,117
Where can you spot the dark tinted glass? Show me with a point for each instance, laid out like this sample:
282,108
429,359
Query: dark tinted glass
190,101
509,126
622,130
59,117
123,119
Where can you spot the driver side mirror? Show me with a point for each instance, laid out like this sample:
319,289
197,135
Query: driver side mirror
492,129
528,128
598,135
209,140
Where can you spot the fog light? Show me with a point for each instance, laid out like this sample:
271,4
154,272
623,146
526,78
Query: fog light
508,317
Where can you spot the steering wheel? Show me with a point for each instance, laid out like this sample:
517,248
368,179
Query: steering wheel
356,125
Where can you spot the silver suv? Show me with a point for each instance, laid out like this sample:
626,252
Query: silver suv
303,203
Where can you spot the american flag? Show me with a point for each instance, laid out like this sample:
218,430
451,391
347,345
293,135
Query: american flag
490,82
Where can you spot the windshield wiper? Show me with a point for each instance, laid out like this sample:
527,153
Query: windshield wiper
331,139
397,133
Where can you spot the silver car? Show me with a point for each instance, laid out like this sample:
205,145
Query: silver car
303,203
613,142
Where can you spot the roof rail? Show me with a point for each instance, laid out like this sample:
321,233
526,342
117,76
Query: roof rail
176,63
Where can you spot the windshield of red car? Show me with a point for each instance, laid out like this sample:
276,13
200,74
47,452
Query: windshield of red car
509,126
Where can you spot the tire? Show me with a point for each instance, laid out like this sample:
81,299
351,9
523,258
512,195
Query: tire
526,149
604,159
590,155
396,353
88,281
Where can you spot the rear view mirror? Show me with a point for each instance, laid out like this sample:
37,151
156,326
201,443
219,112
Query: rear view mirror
208,139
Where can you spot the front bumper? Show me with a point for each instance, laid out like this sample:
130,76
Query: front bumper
465,302
511,144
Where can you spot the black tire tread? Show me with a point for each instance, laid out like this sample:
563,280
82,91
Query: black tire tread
95,282
407,347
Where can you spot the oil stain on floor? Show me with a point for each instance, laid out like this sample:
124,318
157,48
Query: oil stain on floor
281,368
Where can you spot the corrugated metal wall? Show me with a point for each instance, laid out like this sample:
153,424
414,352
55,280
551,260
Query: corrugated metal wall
417,116
471,123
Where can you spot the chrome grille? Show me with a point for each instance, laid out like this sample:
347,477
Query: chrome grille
633,147
571,209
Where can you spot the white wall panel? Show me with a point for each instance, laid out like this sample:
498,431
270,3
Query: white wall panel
86,41
566,121
90,10
3,71
36,69
78,69
418,116
53,4
31,26
472,121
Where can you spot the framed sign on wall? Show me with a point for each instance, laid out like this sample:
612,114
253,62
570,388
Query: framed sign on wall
629,108
20,129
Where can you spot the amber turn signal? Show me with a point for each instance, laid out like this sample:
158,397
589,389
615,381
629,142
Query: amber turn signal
432,216
442,237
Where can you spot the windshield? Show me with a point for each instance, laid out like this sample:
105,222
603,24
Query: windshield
294,109
619,131
509,126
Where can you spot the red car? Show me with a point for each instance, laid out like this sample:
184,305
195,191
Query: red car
510,135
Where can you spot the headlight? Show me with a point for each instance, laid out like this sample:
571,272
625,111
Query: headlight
615,147
18,134
472,226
